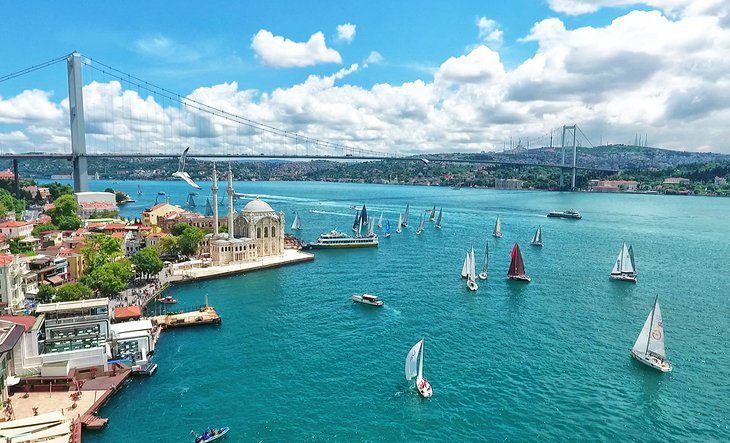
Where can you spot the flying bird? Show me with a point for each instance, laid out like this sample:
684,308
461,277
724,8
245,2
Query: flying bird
181,174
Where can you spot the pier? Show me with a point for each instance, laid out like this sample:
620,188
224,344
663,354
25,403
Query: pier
203,316
197,270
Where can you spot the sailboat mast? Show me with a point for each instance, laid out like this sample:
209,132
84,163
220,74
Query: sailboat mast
651,324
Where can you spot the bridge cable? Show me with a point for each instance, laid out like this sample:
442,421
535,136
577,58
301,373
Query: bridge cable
33,68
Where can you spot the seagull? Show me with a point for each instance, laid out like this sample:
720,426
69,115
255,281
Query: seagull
181,174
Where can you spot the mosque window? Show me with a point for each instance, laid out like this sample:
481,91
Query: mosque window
266,232
273,231
258,232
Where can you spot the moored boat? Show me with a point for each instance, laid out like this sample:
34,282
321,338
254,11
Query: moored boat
571,213
168,300
649,346
367,299
517,266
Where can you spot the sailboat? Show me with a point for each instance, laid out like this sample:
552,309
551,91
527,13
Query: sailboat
414,368
420,225
405,216
465,266
357,221
497,228
483,275
371,228
359,229
472,273
387,229
649,345
364,215
537,238
380,220
438,219
400,223
208,208
297,223
517,266
433,213
624,268
139,190
191,199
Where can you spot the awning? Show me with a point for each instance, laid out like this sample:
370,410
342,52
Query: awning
55,280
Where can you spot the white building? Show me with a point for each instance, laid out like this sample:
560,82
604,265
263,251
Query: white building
16,229
132,339
74,325
96,197
132,243
12,284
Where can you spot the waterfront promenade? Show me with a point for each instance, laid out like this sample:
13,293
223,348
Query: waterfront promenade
196,271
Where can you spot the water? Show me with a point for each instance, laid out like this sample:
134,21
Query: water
296,360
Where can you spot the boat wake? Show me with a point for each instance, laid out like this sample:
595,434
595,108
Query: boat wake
315,211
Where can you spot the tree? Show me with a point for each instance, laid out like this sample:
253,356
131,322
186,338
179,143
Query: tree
179,228
46,293
189,241
64,206
73,292
106,213
68,222
43,228
168,246
120,197
57,190
122,268
104,280
101,249
109,190
147,261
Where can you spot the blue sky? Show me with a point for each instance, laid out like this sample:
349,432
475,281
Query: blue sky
531,66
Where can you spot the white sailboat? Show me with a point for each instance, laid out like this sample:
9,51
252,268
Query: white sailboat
649,346
537,238
359,229
438,219
465,267
483,275
414,368
624,268
405,215
497,228
371,228
380,220
472,273
297,223
420,225
400,223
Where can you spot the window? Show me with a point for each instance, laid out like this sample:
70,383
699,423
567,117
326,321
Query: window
273,231
258,232
266,231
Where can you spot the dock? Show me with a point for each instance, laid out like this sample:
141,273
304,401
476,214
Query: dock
203,316
196,270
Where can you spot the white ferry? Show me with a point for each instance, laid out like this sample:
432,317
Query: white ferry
334,239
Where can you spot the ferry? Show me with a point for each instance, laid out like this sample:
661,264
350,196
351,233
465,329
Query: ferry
335,239
565,214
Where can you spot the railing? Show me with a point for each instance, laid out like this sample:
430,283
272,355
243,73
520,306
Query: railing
69,320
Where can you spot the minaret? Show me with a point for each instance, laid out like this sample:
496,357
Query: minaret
214,188
230,203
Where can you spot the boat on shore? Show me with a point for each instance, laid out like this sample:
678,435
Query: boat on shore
624,269
649,346
517,266
167,300
367,299
211,434
414,368
335,239
571,213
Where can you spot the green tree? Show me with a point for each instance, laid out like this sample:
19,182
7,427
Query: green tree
104,280
168,246
73,292
64,206
189,241
68,222
43,228
147,262
122,268
57,190
179,228
109,190
101,249
120,196
106,213
46,293
17,248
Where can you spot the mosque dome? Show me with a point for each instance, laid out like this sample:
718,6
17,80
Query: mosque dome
257,206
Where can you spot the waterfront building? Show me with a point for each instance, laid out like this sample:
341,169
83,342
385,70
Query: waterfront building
720,180
132,339
150,216
194,219
257,231
10,334
74,325
676,181
87,209
16,229
27,346
508,183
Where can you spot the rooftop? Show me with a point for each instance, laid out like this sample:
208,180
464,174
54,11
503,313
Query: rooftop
127,312
15,224
26,321
73,305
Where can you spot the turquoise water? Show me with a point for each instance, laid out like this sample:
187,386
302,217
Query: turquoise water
296,360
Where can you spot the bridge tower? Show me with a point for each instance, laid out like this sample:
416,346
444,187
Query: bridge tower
570,130
78,130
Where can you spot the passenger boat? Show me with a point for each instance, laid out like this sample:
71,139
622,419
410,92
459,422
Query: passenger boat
414,368
537,238
367,299
565,214
517,266
147,369
649,346
211,435
624,268
168,300
335,239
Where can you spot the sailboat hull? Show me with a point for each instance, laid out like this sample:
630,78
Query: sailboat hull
497,235
522,277
651,361
536,244
472,285
424,388
386,235
482,276
623,277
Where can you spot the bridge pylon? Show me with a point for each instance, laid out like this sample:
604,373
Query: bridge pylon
78,130
570,130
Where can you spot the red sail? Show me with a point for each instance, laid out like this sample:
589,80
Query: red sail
516,265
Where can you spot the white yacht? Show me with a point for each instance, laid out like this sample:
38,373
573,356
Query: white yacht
367,299
335,239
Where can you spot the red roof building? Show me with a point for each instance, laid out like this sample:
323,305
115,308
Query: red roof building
127,313
7,175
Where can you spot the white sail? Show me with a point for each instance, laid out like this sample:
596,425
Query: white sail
651,337
472,266
627,267
371,228
465,268
617,266
420,365
405,215
497,228
380,220
438,220
411,367
359,228
296,224
485,265
537,238
400,223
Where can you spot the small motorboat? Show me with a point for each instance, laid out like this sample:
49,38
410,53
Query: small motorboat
168,300
367,299
211,434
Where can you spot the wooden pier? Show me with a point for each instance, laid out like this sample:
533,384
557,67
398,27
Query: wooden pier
203,316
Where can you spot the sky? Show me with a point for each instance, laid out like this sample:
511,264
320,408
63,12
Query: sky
401,77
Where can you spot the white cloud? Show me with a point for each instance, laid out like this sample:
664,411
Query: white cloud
346,32
489,31
672,7
164,48
281,52
373,58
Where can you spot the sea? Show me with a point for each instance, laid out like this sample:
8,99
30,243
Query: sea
296,360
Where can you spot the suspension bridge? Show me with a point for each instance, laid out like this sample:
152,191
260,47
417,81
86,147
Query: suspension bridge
133,126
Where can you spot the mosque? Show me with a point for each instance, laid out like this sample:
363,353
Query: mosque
255,232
